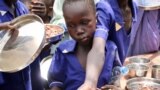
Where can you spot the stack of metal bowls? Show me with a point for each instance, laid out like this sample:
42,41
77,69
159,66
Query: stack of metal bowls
137,70
138,67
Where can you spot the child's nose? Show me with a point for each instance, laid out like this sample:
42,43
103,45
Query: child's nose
80,30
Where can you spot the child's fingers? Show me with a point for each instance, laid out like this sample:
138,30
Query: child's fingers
37,7
37,11
38,3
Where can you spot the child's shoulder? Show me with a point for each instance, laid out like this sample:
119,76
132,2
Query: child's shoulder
67,46
105,7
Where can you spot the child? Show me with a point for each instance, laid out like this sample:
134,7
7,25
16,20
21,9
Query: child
67,71
42,8
29,77
10,9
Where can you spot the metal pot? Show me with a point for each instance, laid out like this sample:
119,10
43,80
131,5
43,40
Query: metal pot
156,71
137,70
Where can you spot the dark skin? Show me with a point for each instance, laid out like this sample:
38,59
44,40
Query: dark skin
95,59
126,13
81,24
42,8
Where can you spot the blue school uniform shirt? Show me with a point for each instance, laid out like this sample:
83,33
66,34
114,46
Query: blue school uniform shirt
67,73
108,15
145,38
18,80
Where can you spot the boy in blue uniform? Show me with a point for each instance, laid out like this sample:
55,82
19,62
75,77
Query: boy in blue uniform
119,13
26,78
9,9
117,19
67,71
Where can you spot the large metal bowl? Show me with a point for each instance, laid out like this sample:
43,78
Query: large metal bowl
27,45
137,70
143,84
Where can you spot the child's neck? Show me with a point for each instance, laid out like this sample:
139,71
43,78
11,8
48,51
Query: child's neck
84,48
82,53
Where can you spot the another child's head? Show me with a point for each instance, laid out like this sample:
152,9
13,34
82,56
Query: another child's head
80,17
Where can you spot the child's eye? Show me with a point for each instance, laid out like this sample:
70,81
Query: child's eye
85,22
70,25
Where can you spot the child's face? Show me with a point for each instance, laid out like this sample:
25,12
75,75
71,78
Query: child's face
81,21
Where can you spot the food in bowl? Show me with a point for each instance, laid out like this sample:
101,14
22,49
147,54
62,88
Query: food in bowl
53,32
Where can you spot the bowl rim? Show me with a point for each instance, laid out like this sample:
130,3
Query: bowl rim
139,59
142,79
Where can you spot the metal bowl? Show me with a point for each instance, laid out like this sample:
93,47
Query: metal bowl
149,4
56,36
137,70
27,45
139,60
143,84
44,67
156,71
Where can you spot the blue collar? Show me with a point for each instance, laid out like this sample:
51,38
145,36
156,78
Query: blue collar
68,46
4,6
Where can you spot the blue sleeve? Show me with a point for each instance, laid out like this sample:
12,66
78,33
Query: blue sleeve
158,18
56,73
104,19
113,53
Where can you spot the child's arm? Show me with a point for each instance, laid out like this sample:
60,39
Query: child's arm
95,60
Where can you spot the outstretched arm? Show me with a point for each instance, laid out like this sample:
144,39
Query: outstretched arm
95,59
6,26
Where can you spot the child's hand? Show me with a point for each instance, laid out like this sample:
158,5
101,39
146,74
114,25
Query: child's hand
110,87
38,8
87,87
6,26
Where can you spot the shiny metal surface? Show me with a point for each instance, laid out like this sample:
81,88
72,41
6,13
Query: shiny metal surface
44,67
150,8
22,49
143,84
149,4
156,71
139,60
137,70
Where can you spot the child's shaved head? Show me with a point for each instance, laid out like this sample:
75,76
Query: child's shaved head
89,3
